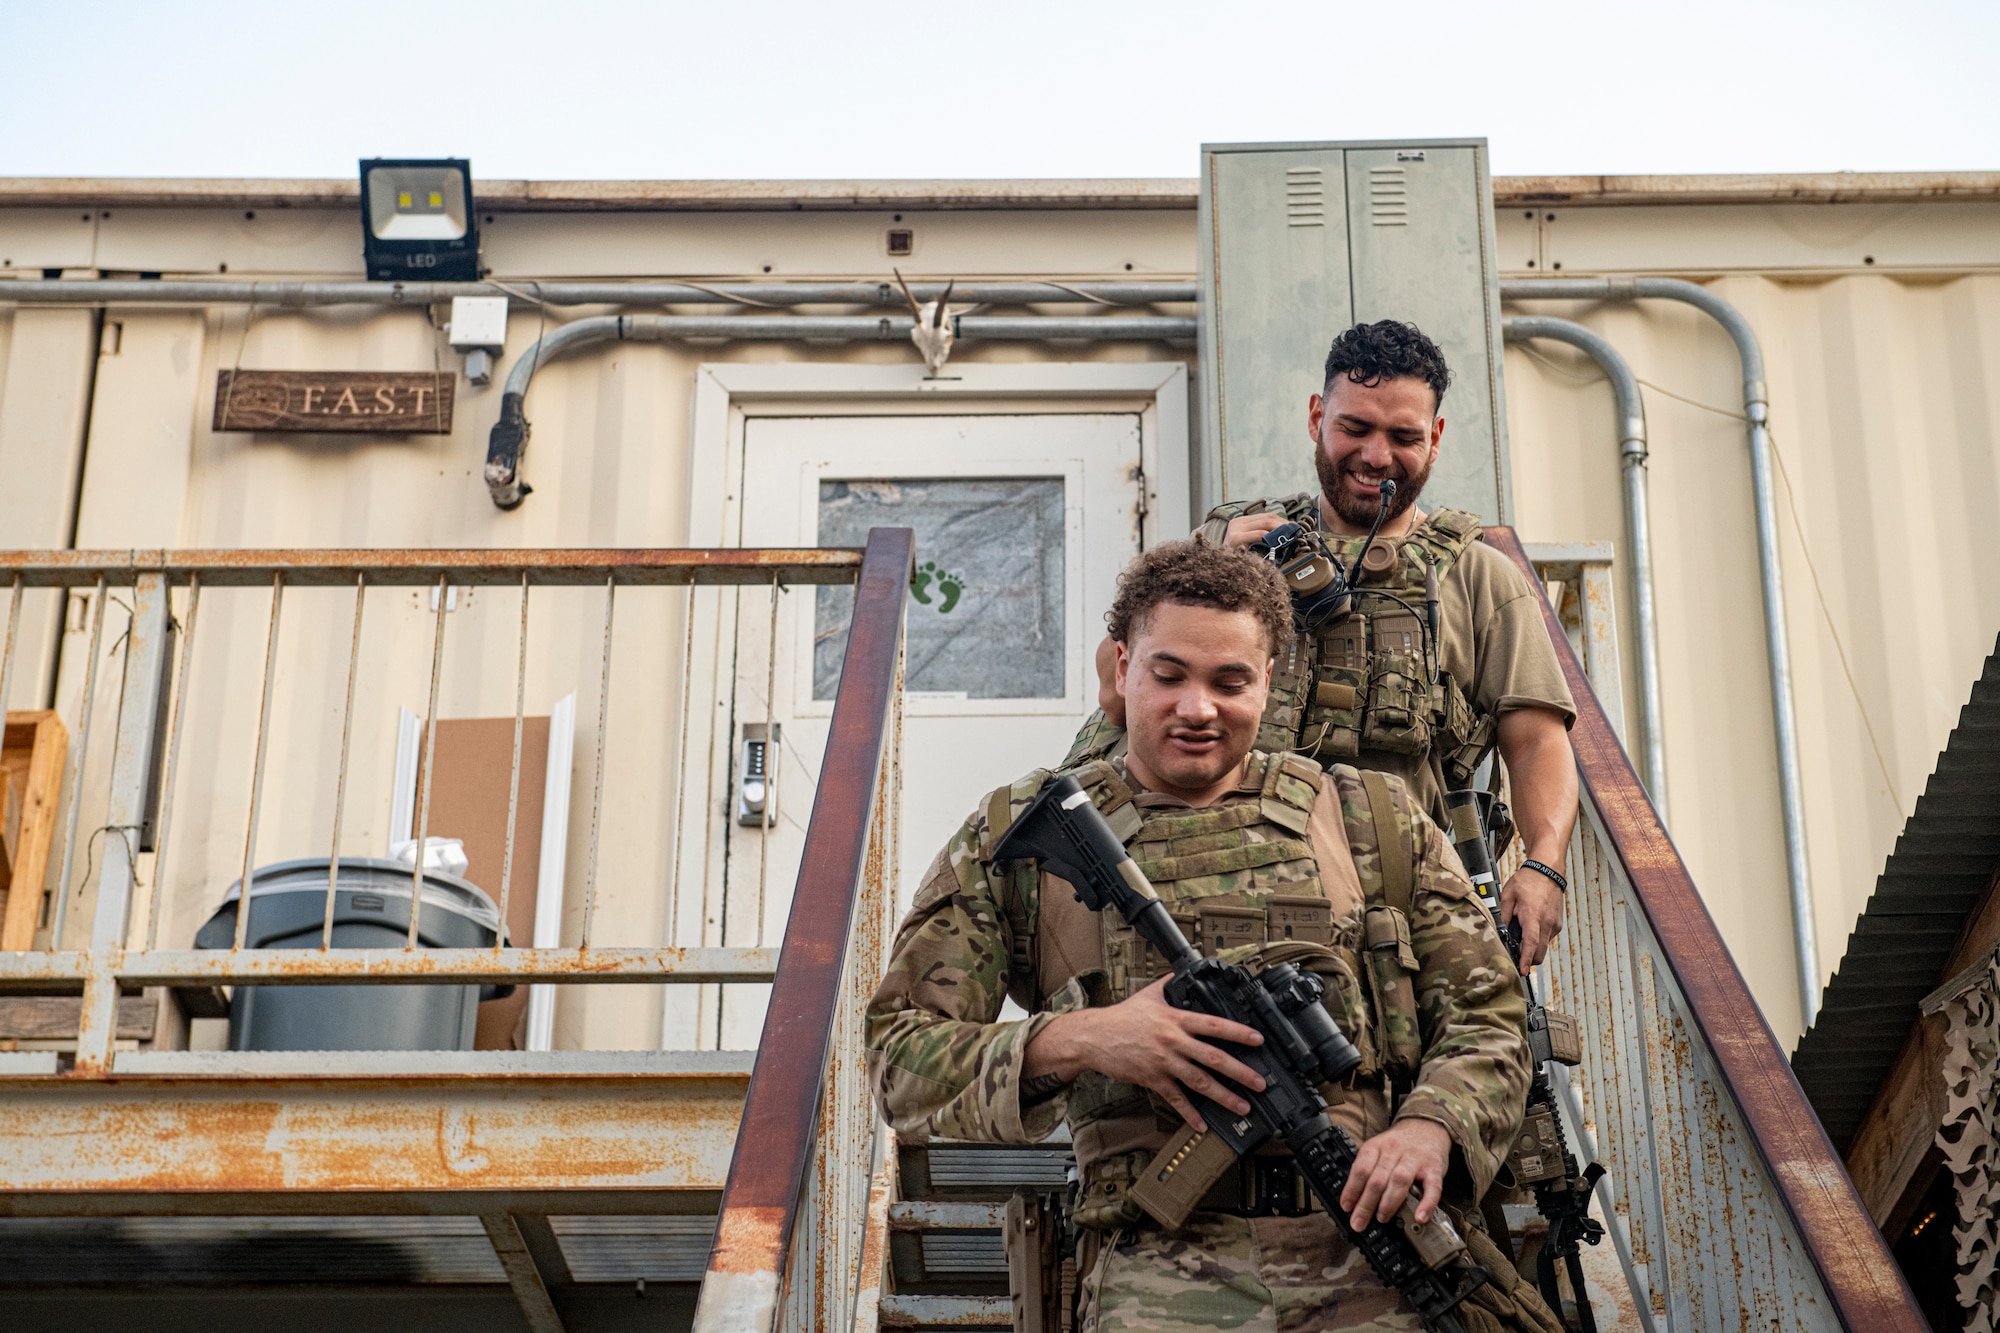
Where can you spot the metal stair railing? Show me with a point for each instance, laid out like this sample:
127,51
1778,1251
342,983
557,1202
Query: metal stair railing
793,1227
1727,1204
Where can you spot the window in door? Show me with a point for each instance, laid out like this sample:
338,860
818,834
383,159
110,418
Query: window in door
986,610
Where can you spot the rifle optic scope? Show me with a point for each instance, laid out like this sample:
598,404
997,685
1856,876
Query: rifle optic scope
1324,1046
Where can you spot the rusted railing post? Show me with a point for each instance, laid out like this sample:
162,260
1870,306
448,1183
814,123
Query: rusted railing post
818,973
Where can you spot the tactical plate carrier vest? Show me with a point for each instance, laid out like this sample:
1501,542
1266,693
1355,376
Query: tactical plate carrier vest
1370,680
1242,879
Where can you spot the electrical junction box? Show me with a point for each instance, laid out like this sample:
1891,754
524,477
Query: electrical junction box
478,321
1300,241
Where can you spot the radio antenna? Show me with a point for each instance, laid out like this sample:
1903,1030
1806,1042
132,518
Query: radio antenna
1387,490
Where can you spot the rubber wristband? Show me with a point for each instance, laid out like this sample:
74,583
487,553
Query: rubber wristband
1540,869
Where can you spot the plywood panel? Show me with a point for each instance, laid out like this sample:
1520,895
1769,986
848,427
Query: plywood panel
32,758
469,790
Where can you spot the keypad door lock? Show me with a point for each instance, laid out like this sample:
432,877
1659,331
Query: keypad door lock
757,775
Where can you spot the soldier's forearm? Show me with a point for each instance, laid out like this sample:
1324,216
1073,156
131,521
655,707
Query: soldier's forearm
1541,771
1055,1053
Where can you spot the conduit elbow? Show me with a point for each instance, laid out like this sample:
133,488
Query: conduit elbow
503,454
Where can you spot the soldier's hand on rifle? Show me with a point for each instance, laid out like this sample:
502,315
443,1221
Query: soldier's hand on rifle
1145,1040
1407,1152
1250,528
1533,900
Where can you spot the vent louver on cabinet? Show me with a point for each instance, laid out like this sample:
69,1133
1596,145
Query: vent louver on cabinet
1305,197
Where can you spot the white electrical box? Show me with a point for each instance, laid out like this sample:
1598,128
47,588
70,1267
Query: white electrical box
478,322
1300,241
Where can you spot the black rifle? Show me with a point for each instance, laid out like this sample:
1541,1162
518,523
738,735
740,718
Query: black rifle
1302,1048
1562,1191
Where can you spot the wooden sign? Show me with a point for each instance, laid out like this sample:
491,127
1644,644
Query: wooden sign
374,402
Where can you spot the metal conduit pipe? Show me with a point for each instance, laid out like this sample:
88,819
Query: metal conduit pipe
1756,411
528,293
510,432
1638,528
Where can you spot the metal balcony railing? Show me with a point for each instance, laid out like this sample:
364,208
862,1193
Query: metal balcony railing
110,961
108,1126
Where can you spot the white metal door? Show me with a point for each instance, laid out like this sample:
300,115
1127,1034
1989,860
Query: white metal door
1022,522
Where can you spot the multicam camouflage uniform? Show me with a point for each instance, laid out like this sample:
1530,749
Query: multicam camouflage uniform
1288,840
1373,688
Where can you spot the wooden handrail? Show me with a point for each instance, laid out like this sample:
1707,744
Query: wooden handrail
760,1202
1854,1264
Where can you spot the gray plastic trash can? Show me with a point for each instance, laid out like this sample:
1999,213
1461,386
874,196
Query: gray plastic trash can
371,910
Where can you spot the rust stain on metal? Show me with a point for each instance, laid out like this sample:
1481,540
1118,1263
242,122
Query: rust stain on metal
146,1136
748,1240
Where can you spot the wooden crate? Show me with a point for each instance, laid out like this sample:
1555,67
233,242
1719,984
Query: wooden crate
33,748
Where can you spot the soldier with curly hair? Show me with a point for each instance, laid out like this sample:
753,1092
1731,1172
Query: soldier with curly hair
1342,871
1379,688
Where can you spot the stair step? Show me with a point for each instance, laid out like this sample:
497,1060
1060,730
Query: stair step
946,1169
940,1248
965,1253
932,1215
947,1312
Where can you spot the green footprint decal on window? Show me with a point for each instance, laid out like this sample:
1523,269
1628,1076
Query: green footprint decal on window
950,586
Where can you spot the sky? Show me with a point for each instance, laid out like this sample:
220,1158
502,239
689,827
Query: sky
784,89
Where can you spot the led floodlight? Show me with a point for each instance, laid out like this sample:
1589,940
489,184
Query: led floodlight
417,221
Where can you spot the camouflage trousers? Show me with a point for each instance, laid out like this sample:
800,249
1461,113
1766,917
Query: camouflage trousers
1257,1274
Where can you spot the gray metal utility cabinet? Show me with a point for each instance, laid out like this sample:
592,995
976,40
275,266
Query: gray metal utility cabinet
1298,241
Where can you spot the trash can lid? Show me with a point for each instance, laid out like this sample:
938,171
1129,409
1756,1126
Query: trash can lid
362,874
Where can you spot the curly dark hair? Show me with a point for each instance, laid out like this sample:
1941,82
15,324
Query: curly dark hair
1193,573
1388,349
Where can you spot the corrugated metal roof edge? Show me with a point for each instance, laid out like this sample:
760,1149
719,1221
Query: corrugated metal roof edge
516,196
1843,1058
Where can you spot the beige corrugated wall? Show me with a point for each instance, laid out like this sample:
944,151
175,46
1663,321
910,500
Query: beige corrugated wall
609,461
1880,411
1888,443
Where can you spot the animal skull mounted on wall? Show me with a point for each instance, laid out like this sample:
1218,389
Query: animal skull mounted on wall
933,333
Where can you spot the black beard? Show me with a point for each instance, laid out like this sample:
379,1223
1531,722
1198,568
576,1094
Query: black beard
1361,513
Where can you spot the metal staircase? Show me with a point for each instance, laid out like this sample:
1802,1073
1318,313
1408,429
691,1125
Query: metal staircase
1726,1206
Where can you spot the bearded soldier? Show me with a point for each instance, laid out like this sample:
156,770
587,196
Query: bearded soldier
1444,654
1252,852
